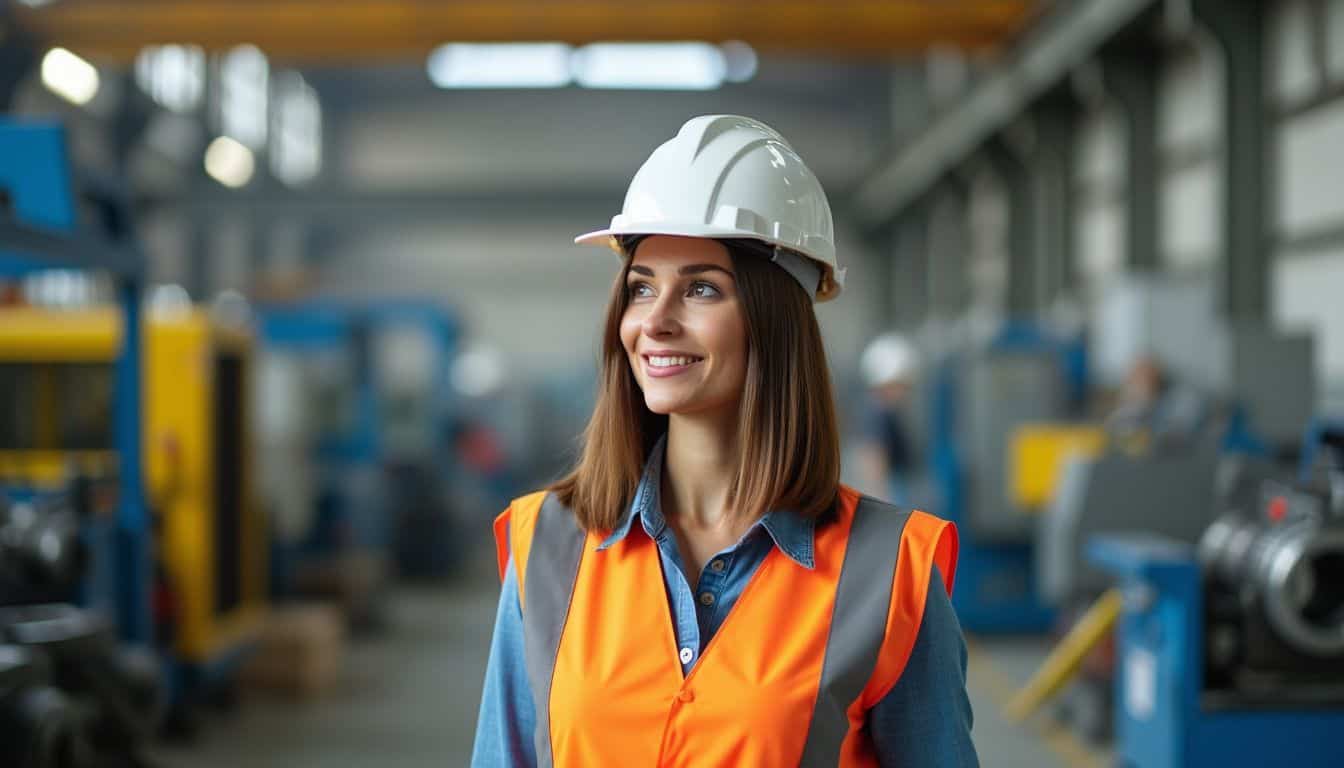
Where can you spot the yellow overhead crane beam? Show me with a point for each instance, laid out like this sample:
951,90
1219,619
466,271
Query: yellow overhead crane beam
321,31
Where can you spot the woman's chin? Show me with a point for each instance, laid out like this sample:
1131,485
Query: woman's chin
663,407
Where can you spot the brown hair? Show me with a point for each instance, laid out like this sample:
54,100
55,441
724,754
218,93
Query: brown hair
790,444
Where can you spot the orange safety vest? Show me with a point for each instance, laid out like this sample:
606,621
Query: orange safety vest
788,678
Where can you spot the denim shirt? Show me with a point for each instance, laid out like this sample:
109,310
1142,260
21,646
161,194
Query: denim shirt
923,722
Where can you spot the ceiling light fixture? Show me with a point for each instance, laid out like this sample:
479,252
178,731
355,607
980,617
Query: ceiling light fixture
500,65
229,162
69,76
650,66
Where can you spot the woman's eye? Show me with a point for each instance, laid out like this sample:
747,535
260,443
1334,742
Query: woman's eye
639,290
703,291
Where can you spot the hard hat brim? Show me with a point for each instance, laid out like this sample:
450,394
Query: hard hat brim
603,236
831,285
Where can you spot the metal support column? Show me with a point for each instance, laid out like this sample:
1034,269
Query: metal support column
1238,27
947,247
18,58
1128,75
881,243
1056,122
133,525
201,243
130,120
1022,300
909,283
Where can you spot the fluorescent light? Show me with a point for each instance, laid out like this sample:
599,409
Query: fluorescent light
658,66
229,162
244,82
296,132
172,75
69,76
739,61
500,65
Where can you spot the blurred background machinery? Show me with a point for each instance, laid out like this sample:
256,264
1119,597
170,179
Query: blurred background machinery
979,398
288,312
357,449
81,685
1232,651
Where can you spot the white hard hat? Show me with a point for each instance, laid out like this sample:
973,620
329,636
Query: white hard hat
888,358
724,176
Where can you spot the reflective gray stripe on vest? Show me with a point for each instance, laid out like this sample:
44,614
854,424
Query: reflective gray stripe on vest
552,569
858,623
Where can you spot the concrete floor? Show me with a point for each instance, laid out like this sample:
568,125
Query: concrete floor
408,699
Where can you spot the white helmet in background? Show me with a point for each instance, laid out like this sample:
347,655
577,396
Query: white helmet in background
889,358
724,176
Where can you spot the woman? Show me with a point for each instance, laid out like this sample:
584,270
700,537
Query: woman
701,590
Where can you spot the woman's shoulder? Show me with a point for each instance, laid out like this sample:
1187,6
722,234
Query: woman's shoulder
525,509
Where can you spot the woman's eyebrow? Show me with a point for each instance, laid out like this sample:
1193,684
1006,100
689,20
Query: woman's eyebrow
695,269
689,269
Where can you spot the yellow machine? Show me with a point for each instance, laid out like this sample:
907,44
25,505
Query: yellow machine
1037,456
211,541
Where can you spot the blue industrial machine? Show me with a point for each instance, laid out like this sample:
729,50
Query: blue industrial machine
978,399
313,412
414,345
1232,653
379,404
78,683
41,233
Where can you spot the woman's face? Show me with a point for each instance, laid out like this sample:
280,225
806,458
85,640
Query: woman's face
683,329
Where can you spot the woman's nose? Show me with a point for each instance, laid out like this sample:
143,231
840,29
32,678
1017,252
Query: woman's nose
661,319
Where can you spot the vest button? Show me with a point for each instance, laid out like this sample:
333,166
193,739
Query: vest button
685,696
716,566
686,655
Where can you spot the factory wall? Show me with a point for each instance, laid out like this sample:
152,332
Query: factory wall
1306,105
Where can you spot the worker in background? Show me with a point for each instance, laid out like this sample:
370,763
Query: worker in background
1154,412
886,452
700,590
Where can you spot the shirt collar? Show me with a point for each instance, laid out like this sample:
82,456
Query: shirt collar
792,533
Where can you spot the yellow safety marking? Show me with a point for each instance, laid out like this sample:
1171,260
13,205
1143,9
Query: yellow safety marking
1067,657
1000,688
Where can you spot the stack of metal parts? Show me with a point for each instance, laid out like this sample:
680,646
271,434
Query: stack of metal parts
1274,590
70,697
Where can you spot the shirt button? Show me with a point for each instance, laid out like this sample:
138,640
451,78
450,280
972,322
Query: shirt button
706,599
685,697
686,655
716,566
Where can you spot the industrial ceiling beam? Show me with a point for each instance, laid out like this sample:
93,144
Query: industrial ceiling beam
320,31
1039,61
352,209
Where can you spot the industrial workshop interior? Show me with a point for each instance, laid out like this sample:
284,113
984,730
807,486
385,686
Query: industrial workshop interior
304,345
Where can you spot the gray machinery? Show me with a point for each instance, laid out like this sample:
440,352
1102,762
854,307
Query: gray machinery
976,403
1172,490
1006,387
70,697
1166,494
1274,595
